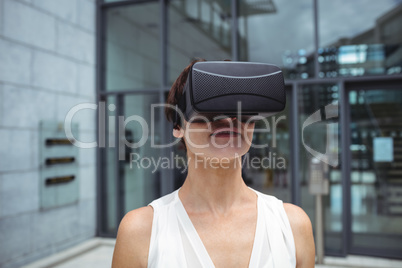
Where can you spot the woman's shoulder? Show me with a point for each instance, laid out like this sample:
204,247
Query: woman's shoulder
298,219
303,235
134,234
296,215
133,238
300,226
137,219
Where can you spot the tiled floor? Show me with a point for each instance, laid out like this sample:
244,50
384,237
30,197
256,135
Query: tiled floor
98,253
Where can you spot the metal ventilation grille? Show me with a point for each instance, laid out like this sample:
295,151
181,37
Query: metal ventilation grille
209,86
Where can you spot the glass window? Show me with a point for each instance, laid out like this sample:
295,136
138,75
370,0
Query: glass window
141,170
132,47
280,33
376,169
129,156
368,40
197,29
319,128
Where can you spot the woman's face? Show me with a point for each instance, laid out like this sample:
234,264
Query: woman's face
226,137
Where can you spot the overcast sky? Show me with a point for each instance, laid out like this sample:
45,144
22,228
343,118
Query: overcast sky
291,27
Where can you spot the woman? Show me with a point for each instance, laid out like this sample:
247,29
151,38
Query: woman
214,219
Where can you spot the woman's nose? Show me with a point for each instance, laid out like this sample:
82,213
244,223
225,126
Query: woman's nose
224,118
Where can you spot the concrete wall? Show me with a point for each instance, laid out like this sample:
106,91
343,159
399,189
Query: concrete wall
47,65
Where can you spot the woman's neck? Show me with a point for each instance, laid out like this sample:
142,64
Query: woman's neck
215,187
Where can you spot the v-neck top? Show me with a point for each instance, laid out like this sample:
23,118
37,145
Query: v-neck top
176,243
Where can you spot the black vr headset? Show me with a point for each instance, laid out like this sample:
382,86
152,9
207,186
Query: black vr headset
245,90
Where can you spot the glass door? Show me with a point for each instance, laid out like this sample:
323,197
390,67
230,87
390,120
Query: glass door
376,169
139,170
130,60
131,160
320,138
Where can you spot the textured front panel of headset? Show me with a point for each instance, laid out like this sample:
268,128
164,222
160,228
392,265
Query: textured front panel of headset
207,86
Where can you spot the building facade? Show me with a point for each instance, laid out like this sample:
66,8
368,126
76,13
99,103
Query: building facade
107,66
47,66
342,62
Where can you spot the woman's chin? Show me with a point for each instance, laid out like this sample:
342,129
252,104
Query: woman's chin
219,154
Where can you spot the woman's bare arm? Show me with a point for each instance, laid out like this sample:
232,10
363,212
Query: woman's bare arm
303,236
133,239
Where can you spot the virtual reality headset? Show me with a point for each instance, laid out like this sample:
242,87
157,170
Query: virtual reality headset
246,90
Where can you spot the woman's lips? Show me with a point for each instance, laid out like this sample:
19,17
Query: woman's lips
225,132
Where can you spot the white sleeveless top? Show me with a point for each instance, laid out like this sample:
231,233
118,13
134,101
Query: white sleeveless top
175,242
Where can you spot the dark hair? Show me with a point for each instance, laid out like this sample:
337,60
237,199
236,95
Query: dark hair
176,91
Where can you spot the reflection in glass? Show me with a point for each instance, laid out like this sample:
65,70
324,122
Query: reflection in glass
132,47
197,29
376,168
323,137
280,33
368,40
138,175
139,171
